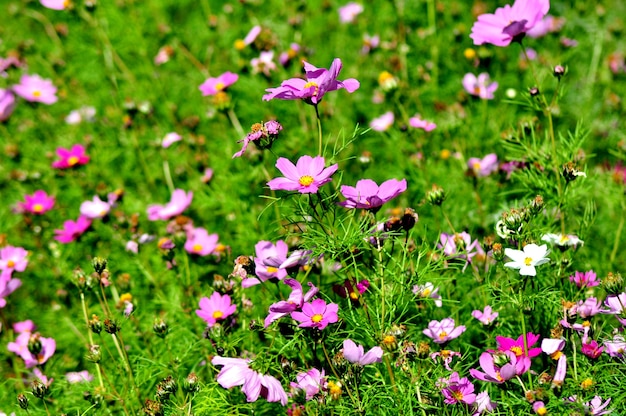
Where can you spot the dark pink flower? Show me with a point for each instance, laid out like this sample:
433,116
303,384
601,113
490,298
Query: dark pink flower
584,279
316,314
178,203
293,303
213,86
306,176
37,203
216,308
443,331
367,194
200,242
509,23
7,104
355,353
458,390
516,346
73,157
592,349
318,82
36,89
72,230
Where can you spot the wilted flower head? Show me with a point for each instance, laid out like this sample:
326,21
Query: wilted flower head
212,86
73,157
36,89
368,195
306,176
479,86
311,382
318,82
263,135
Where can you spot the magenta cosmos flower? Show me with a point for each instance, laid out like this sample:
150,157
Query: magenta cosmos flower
584,279
509,23
179,202
213,86
236,372
516,346
38,203
72,230
417,122
316,314
33,88
8,285
458,390
355,354
368,195
443,331
216,308
200,242
7,104
293,303
318,82
479,86
306,176
73,157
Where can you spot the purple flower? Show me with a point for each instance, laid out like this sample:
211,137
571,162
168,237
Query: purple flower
458,390
318,82
459,245
483,167
216,308
418,123
516,346
33,88
293,303
200,242
355,354
368,195
72,229
7,104
178,203
310,382
590,307
509,23
483,404
212,86
306,176
479,86
236,372
384,122
486,317
316,314
443,331
584,279
595,406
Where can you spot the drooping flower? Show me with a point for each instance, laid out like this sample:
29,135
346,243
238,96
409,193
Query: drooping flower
349,12
527,259
170,139
293,303
212,86
617,306
584,279
428,290
316,314
72,229
85,113
96,208
7,104
509,23
318,82
458,390
200,242
417,122
263,135
554,348
306,176
310,382
368,195
483,167
178,203
216,308
355,353
384,122
445,356
486,316
236,372
479,86
33,88
55,4
443,331
596,407
73,157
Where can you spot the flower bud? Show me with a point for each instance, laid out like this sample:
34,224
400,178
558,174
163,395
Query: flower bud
153,408
534,91
99,264
160,328
536,205
497,252
613,283
39,389
190,385
95,325
22,401
34,344
559,71
436,196
409,219
111,326
94,354
165,389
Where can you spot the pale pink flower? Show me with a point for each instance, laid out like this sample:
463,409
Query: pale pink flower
36,89
55,4
417,122
200,242
486,316
170,139
264,63
443,331
96,208
483,167
479,86
306,176
7,104
13,259
78,377
355,353
384,122
178,203
311,382
84,113
349,12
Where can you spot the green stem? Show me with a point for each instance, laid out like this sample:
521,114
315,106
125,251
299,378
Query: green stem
86,315
618,235
320,138
168,176
523,321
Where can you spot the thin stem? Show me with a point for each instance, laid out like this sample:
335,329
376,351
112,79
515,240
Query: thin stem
530,380
618,235
391,375
235,122
86,315
168,176
320,138
332,367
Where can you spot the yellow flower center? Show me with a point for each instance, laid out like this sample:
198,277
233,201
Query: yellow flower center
389,340
426,292
196,248
218,314
518,351
66,4
240,44
354,295
306,180
317,318
312,84
476,165
586,324
476,90
556,355
469,53
36,93
498,376
445,353
443,335
586,383
37,208
256,127
219,86
445,154
458,395
384,77
10,263
542,411
126,297
271,269
72,160
563,239
528,261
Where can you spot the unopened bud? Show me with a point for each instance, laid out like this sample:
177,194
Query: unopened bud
34,344
99,264
497,252
166,388
94,354
191,384
22,401
160,328
534,91
559,71
39,389
436,195
536,205
111,326
409,219
613,283
95,325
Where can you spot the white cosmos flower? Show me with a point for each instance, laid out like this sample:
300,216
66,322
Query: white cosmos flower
525,260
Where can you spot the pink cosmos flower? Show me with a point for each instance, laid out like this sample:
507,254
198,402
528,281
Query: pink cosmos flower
236,372
592,349
479,86
178,203
212,86
70,158
267,262
483,404
264,63
285,57
216,308
78,377
252,34
293,303
170,139
263,135
616,347
37,203
13,259
318,82
370,42
306,176
516,346
595,407
347,289
498,367
8,285
509,23
584,279
349,12
311,382
458,390
43,348
7,104
96,208
384,122
590,307
617,306
368,195
355,353
33,88
486,316
24,326
55,4
72,230
316,314
539,408
417,122
483,167
443,331
459,245
200,242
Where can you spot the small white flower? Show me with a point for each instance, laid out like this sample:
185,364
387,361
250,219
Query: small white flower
563,240
525,260
95,208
